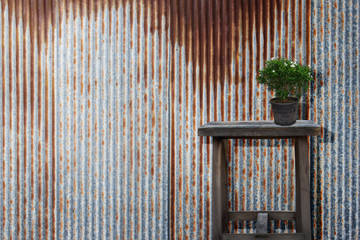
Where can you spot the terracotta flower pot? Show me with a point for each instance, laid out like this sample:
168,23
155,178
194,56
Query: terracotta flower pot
285,113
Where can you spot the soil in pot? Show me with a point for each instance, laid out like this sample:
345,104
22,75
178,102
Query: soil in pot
285,113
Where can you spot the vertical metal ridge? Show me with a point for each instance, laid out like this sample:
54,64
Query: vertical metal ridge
112,126
49,134
56,128
343,232
78,96
148,102
98,129
2,133
27,100
173,162
120,122
63,124
42,144
21,132
133,118
356,62
348,123
165,123
141,205
35,125
6,127
105,114
127,81
13,95
68,131
91,143
350,181
84,123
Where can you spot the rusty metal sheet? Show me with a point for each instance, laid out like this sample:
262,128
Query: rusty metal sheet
84,119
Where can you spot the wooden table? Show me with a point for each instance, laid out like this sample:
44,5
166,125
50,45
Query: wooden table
221,131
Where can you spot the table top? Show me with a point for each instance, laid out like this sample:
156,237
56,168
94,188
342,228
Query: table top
259,129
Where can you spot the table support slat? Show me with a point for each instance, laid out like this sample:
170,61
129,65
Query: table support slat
219,185
303,218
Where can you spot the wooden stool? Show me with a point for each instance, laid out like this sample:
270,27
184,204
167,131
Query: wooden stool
221,131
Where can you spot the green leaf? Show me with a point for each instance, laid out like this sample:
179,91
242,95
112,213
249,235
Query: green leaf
285,77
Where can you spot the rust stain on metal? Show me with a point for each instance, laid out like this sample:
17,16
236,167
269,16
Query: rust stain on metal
37,19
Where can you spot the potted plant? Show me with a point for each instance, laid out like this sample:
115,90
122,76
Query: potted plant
288,80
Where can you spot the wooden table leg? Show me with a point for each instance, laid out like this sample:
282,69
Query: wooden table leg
219,189
303,210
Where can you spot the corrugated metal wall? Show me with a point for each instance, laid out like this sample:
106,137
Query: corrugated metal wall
335,105
92,90
84,136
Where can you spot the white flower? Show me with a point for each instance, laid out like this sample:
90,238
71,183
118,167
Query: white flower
273,71
292,65
285,64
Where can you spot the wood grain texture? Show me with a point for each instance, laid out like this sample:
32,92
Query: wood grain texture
259,129
303,211
252,215
219,189
268,236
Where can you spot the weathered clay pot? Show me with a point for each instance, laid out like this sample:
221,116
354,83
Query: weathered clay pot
285,113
